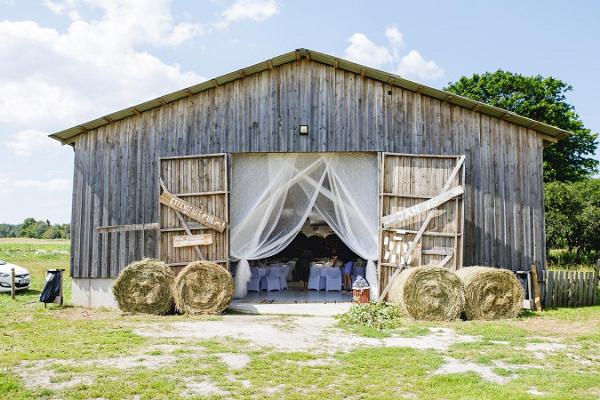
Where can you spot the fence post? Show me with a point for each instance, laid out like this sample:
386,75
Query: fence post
596,283
536,288
13,290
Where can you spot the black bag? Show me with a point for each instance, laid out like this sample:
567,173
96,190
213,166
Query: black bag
52,288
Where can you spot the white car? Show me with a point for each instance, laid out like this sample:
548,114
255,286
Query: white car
21,277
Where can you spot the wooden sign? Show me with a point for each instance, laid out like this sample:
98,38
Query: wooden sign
192,240
194,212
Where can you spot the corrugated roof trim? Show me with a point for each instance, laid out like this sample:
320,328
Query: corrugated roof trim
552,133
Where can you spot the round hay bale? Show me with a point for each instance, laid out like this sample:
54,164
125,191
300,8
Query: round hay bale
145,287
491,293
429,293
203,288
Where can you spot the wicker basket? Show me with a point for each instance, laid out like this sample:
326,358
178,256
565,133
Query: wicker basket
361,296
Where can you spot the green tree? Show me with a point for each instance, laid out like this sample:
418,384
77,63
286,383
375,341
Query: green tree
573,215
542,99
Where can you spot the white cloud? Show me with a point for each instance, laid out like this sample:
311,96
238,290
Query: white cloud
28,142
248,10
394,36
411,66
10,185
95,66
364,51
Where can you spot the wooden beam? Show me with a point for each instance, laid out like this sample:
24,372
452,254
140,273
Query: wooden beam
446,259
128,228
438,251
455,171
420,208
536,287
547,138
194,212
187,230
426,233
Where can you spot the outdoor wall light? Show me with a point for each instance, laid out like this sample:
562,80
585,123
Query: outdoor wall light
303,129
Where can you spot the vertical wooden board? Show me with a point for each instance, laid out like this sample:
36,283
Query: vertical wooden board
591,287
76,209
88,211
548,289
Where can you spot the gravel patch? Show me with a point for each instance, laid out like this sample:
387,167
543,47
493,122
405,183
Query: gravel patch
201,387
322,337
541,350
234,360
454,366
535,392
39,374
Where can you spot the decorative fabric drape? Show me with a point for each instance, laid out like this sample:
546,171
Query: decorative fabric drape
273,194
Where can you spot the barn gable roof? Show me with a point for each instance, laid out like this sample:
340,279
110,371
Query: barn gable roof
551,133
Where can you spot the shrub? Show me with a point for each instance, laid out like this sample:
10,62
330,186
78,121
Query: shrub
379,316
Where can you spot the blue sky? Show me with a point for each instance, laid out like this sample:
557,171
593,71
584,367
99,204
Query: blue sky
68,61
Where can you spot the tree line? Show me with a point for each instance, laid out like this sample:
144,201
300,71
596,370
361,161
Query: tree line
31,228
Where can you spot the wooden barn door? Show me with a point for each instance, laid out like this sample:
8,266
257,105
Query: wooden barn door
194,215
421,213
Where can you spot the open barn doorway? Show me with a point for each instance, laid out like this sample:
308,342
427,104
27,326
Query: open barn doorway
303,225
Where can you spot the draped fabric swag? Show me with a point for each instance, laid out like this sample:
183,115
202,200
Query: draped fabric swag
272,194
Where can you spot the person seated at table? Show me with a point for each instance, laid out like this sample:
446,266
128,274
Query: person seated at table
302,269
334,261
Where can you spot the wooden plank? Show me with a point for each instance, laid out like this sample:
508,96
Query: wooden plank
549,287
192,211
128,227
454,173
420,208
536,288
445,260
192,240
426,233
440,251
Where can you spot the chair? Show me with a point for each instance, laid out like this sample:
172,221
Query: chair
283,276
316,280
333,279
271,281
254,284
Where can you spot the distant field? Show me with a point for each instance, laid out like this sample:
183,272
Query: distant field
34,241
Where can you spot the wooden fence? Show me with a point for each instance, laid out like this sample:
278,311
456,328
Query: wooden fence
570,288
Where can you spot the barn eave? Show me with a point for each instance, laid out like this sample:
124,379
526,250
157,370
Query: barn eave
549,133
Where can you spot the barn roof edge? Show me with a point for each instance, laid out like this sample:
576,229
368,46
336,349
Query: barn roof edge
551,133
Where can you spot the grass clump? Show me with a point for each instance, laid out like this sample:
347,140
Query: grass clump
376,316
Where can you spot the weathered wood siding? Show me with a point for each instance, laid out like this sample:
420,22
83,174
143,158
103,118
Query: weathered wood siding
116,168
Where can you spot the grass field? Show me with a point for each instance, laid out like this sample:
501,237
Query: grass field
76,353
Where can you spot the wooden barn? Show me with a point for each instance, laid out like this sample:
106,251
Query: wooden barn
234,169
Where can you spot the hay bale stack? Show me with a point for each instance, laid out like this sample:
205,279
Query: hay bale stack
429,293
203,288
145,287
491,293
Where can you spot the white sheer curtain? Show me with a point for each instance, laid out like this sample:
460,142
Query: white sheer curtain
273,194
